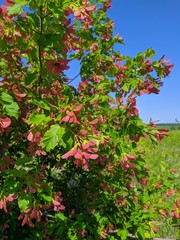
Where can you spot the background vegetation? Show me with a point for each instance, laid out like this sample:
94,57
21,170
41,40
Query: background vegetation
164,162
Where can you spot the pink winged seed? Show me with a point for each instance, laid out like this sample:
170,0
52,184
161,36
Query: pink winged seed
78,108
130,157
78,154
93,156
71,153
70,114
5,121
83,132
91,8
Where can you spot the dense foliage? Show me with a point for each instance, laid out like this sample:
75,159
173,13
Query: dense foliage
70,164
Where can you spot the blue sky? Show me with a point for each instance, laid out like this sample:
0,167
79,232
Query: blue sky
151,24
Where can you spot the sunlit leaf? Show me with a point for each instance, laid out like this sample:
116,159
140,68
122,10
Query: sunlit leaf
53,137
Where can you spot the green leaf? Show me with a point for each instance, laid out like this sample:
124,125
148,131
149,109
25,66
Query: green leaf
24,160
20,173
156,64
31,77
53,137
16,8
123,234
125,87
138,58
68,140
41,103
33,19
60,216
2,63
10,106
24,202
60,230
3,45
94,98
38,119
108,59
149,53
112,71
140,233
47,198
66,3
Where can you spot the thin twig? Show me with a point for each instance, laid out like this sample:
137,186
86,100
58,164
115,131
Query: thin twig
20,70
46,15
74,78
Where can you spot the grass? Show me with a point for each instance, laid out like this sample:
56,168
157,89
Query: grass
161,159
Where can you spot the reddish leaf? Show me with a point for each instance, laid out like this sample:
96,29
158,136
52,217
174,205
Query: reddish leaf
71,153
70,114
83,132
85,164
3,167
30,137
9,2
93,150
4,122
93,156
130,157
5,206
11,197
1,204
78,154
25,220
95,121
30,223
56,203
65,119
20,95
131,166
57,66
32,215
39,214
86,156
77,14
78,108
72,120
91,8
85,146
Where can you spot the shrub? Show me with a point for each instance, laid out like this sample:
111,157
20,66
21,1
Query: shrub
70,167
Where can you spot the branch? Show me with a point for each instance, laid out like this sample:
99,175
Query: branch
39,47
116,231
20,70
74,78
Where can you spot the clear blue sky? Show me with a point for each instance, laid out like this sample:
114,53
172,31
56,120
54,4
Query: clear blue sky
151,24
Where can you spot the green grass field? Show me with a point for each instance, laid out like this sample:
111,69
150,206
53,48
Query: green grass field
162,159
168,150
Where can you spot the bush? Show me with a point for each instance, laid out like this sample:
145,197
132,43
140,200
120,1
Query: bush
70,165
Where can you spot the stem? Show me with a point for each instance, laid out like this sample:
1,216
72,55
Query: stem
39,49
